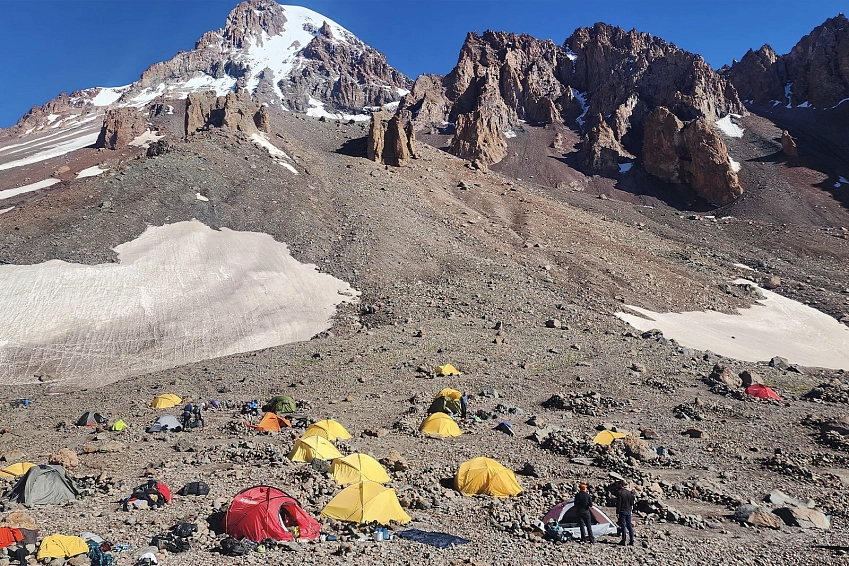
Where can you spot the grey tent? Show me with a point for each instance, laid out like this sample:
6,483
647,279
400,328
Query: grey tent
280,404
45,484
91,418
445,405
166,423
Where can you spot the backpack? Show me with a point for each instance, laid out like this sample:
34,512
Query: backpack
170,542
155,493
97,556
194,488
184,530
234,547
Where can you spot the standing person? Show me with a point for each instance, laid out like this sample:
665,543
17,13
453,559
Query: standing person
464,402
187,416
624,507
198,416
583,503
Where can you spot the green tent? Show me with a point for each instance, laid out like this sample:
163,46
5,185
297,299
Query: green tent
119,425
45,484
445,405
281,404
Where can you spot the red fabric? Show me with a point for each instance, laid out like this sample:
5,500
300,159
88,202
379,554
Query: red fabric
9,536
762,392
163,489
256,514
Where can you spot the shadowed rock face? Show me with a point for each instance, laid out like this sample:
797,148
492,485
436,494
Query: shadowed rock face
502,79
120,126
816,69
390,141
691,154
236,111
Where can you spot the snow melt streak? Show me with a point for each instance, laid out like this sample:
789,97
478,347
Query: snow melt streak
181,293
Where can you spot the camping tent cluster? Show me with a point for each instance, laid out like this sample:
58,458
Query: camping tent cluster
440,420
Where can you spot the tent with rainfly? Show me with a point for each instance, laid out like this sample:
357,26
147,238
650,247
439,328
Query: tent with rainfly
166,401
762,392
45,484
61,546
327,429
280,404
90,418
166,423
606,437
567,517
263,511
311,448
440,424
271,422
365,502
15,470
447,369
356,468
485,476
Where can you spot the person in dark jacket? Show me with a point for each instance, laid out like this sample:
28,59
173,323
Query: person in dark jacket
464,403
583,503
624,508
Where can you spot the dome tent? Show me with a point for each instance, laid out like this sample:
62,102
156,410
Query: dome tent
266,512
311,448
280,404
356,467
90,418
166,401
271,422
166,423
45,484
327,429
440,424
365,502
567,517
485,476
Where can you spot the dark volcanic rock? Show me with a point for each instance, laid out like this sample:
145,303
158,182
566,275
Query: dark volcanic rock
815,71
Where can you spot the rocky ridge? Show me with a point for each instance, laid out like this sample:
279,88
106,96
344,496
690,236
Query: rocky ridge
814,73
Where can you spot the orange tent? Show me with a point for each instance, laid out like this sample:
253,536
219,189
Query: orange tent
762,392
271,421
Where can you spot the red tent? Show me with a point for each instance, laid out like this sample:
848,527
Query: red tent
266,512
762,392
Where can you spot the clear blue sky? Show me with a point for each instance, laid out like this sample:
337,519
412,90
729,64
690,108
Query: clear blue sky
50,46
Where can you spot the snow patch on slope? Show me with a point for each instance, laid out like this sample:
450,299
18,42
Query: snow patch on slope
728,127
9,193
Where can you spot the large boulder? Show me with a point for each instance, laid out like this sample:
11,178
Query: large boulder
788,146
64,457
723,374
389,140
692,154
604,152
804,518
237,111
120,127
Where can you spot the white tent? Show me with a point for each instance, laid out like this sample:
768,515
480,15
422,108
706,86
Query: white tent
166,423
567,517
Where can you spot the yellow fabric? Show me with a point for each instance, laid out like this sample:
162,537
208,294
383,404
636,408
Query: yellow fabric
450,393
440,424
447,369
61,546
119,425
327,429
365,502
312,448
605,437
270,421
484,476
15,470
165,401
356,468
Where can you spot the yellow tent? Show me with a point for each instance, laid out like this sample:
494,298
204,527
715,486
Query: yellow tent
312,448
485,476
271,422
441,425
356,468
327,429
61,546
365,502
447,369
605,437
119,425
165,401
450,393
15,470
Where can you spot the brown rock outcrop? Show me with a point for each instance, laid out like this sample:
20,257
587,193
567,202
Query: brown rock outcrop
390,141
604,152
815,71
120,126
66,458
502,79
691,154
788,146
237,111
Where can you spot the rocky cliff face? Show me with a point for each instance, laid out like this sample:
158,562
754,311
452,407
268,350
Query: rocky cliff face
815,71
120,126
691,154
390,141
236,111
503,79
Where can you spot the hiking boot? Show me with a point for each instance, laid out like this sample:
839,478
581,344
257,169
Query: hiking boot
622,542
630,543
